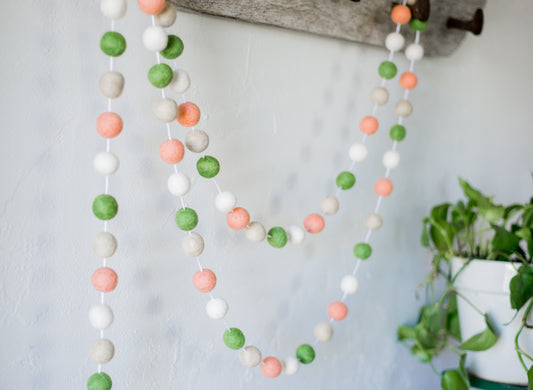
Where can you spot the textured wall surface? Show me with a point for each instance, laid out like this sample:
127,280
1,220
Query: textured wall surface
281,108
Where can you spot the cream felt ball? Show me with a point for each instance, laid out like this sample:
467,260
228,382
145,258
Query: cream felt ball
225,201
295,234
216,308
106,163
250,356
373,221
394,41
349,284
165,110
379,96
414,52
197,141
111,84
155,38
167,17
104,245
403,108
102,351
255,232
329,205
100,316
391,159
193,244
180,82
358,152
290,365
178,184
113,9
323,331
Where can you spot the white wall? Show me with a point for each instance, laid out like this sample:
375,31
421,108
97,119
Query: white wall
281,108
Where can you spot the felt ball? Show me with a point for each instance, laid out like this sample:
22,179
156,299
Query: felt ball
414,52
314,223
391,159
193,245
113,9
186,219
104,279
408,80
337,310
362,250
295,234
233,338
188,114
403,108
323,331
167,16
369,125
383,187
104,245
113,44
238,218
345,180
100,316
349,284
106,163
178,184
165,110
401,14
204,280
358,152
160,75
250,356
373,221
418,25
174,48
172,151
277,237
111,84
109,125
305,353
197,141
271,367
216,308
105,207
208,167
379,96
329,205
255,232
99,381
225,201
394,41
387,70
290,365
151,7
102,351
180,82
397,133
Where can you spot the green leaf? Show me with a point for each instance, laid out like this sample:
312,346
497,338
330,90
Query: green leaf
510,210
526,233
424,239
521,287
453,380
425,337
421,354
431,317
462,369
487,209
503,242
530,378
480,341
406,333
527,217
452,318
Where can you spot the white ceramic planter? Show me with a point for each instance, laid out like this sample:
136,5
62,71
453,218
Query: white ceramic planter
486,285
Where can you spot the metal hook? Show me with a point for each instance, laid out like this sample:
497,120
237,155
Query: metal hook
475,26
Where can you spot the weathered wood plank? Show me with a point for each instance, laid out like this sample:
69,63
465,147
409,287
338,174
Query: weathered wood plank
367,21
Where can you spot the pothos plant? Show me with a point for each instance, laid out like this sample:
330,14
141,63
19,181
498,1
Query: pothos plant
475,228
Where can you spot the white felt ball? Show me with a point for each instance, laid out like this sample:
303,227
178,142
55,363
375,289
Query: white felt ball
373,221
100,316
250,356
290,365
113,9
391,159
178,184
104,245
155,38
216,308
111,84
349,284
403,108
165,110
329,205
358,152
193,245
295,234
106,163
323,331
197,141
180,82
102,351
167,17
414,52
394,41
225,201
255,231
379,96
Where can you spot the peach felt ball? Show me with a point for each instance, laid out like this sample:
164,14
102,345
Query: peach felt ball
271,367
401,14
104,279
188,114
171,151
337,310
151,7
238,218
408,80
109,125
369,125
383,187
314,223
204,280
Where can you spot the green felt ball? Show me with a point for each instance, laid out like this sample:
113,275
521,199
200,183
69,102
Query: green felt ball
234,338
113,43
345,180
105,207
305,354
277,237
99,381
186,219
418,25
362,251
387,70
397,133
208,167
174,47
160,75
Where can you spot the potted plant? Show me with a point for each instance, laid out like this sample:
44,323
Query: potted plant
483,253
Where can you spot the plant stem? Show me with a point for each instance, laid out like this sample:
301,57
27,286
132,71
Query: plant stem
470,303
434,369
519,351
